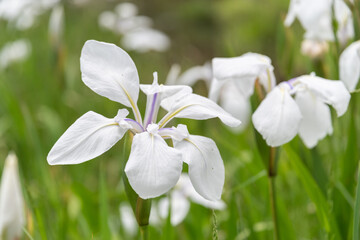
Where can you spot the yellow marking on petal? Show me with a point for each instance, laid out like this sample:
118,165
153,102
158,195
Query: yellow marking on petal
168,118
133,105
269,80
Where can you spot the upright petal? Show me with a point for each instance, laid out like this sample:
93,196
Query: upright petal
109,71
153,167
155,94
196,73
12,215
88,137
206,167
278,117
194,106
331,92
316,122
349,65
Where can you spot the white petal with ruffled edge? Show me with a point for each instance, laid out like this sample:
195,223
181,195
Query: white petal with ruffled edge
316,122
110,72
194,106
206,167
349,65
153,167
331,92
12,214
278,117
88,137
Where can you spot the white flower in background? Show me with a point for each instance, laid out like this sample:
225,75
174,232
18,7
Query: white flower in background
180,198
22,13
56,24
145,40
153,167
349,65
316,18
124,19
12,215
128,221
314,48
136,30
190,76
13,52
234,79
279,117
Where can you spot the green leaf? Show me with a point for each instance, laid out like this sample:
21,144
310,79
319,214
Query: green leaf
104,210
325,217
357,209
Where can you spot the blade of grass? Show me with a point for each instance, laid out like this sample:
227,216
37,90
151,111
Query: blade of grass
357,209
325,217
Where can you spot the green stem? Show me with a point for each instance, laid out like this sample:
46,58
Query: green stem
144,232
272,190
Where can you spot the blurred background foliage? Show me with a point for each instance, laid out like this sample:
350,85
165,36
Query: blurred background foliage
42,96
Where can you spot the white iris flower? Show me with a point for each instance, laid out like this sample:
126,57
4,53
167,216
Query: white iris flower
12,215
316,18
153,167
234,79
279,117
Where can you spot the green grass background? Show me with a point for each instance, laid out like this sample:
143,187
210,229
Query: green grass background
42,96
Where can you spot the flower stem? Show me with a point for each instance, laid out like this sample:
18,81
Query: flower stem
272,191
144,232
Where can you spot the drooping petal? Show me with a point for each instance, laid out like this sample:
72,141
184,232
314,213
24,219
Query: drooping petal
12,215
194,106
180,206
236,104
349,65
184,185
88,137
110,72
153,167
278,117
316,121
331,92
206,167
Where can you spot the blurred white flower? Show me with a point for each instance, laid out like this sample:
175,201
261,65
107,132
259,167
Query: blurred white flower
13,52
153,167
234,79
349,65
146,39
136,30
22,13
56,24
180,198
12,215
279,117
314,48
127,219
316,19
190,76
